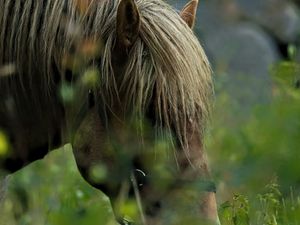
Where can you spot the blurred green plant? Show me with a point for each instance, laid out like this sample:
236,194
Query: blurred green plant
235,212
52,192
245,156
4,146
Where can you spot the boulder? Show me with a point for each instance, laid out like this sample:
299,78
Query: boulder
241,56
280,17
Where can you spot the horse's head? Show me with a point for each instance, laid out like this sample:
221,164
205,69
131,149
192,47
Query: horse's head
151,65
152,59
131,20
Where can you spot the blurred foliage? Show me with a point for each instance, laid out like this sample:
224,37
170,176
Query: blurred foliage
52,192
255,162
4,146
259,151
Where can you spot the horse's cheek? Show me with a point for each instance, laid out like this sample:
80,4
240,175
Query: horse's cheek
88,141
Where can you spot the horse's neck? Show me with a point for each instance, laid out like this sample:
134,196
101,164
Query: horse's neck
32,122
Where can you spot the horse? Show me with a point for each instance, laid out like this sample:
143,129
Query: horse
149,70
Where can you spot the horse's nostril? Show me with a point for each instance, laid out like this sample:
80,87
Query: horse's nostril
153,208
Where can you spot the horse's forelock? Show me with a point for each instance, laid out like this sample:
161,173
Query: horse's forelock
167,65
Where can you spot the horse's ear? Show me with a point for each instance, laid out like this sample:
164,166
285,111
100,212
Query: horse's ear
128,23
188,13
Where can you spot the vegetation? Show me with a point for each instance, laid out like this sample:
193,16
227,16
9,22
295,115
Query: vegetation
256,159
255,162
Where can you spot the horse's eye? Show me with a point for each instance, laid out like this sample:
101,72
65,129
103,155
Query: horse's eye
68,76
91,99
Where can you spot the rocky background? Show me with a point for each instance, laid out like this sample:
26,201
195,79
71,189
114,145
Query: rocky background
243,40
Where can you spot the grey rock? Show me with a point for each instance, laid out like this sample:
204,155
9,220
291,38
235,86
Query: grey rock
281,17
242,52
211,14
241,56
245,48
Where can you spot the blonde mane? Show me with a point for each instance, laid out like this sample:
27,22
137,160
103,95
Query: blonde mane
166,64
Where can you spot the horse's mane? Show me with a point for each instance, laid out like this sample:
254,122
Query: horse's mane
167,65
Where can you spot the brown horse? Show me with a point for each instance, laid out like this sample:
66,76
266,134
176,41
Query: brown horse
152,82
